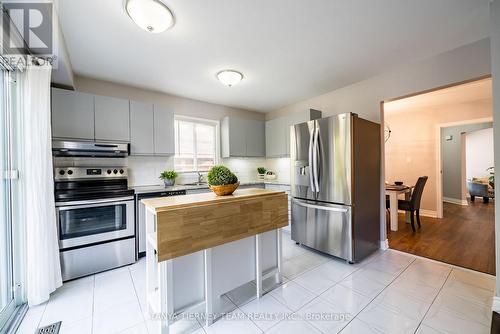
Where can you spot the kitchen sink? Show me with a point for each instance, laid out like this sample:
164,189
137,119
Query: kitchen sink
195,184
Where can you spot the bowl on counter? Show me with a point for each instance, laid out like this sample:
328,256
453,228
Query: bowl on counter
225,190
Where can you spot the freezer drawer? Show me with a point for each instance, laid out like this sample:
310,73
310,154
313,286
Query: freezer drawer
324,227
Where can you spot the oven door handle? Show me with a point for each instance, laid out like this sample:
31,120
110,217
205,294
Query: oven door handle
91,203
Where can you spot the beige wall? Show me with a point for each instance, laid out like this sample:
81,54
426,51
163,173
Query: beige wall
412,149
181,105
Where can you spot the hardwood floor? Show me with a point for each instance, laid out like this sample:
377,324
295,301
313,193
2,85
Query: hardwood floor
464,237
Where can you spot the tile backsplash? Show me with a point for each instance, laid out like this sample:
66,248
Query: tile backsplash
145,170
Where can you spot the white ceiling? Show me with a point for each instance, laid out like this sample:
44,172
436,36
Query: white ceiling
288,50
480,90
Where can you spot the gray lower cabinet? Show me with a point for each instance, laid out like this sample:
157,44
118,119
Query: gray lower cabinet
164,134
141,128
278,132
242,137
72,114
112,120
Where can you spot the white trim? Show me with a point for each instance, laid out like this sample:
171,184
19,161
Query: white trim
495,306
425,213
439,161
429,213
384,244
455,201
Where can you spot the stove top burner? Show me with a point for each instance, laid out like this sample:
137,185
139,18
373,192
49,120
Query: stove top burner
79,184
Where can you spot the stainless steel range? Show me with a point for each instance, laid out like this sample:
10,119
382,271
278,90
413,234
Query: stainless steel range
95,219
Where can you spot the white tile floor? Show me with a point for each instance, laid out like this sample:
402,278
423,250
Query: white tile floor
390,292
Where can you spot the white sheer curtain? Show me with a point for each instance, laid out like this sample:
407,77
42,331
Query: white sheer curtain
43,269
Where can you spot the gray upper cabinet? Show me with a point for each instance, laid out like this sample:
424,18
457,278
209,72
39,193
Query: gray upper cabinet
256,139
275,138
164,136
72,114
112,120
278,132
242,137
141,128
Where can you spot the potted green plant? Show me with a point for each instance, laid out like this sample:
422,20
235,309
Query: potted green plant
168,177
222,181
262,172
492,176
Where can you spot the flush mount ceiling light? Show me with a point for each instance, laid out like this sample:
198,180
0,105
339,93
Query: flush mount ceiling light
229,77
151,15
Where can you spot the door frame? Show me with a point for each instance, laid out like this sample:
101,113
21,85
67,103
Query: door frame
439,158
384,241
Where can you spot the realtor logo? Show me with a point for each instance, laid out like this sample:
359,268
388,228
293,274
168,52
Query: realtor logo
27,26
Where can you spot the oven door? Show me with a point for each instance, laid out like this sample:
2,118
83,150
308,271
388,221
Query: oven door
84,223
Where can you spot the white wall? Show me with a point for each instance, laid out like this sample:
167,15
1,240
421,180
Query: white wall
464,63
479,152
495,72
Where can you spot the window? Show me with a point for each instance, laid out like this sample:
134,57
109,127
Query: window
195,144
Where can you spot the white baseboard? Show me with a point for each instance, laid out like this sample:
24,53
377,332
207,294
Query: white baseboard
384,244
495,306
455,201
425,213
429,213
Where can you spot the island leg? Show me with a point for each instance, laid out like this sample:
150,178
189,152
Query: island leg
279,255
209,303
258,265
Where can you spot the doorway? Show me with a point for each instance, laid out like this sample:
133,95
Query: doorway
426,135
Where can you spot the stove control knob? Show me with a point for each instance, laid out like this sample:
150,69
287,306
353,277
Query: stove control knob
122,171
115,171
108,171
61,172
70,172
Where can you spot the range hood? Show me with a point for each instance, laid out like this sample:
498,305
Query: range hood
65,148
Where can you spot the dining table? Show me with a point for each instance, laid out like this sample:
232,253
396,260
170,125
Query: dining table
394,191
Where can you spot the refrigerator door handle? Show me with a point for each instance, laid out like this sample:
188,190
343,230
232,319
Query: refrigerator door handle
319,207
316,158
311,162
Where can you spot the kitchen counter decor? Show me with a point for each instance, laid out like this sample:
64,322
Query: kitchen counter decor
222,181
168,177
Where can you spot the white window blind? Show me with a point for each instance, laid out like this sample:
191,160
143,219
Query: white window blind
195,145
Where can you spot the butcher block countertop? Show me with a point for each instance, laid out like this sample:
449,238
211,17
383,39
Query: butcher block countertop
183,201
189,223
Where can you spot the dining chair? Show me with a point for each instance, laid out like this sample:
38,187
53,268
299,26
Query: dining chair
413,204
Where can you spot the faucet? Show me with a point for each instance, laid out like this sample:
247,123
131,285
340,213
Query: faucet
200,178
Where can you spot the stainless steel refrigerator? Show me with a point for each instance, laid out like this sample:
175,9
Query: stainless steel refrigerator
335,185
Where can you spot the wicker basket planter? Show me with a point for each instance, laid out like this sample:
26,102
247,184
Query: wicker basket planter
226,189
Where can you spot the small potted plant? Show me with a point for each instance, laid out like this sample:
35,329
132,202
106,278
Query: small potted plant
222,181
262,172
168,177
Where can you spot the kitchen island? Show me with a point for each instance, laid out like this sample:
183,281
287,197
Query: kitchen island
201,246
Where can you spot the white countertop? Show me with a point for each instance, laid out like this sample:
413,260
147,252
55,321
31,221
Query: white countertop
159,188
